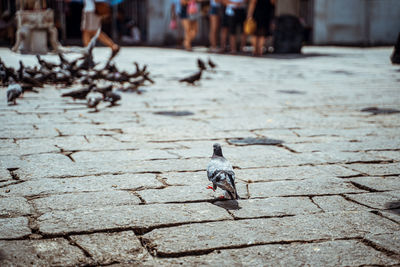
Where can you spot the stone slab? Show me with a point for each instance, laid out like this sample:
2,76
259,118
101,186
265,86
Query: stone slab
330,253
12,228
226,234
107,248
47,186
121,155
337,203
49,252
378,200
90,200
317,186
393,214
389,183
14,206
75,169
270,207
292,173
389,169
390,241
197,192
128,217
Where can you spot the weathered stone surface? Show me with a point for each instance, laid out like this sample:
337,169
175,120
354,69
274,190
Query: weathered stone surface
195,192
330,253
128,217
4,174
393,214
270,207
47,186
14,206
318,186
107,248
49,252
379,183
185,178
390,241
118,156
74,169
384,200
127,152
292,173
14,227
337,203
171,241
90,200
377,169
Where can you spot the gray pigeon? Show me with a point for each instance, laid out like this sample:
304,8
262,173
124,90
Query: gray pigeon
14,90
220,173
93,101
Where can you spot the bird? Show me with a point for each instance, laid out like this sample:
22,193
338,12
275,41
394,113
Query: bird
192,78
201,64
221,174
104,90
93,101
79,94
211,63
112,98
14,90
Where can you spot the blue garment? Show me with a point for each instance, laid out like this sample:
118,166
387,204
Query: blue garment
177,4
214,4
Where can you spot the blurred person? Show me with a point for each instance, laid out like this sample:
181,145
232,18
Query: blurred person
224,28
7,26
261,12
215,11
236,12
133,36
91,22
190,13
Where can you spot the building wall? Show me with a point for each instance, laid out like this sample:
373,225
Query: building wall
158,21
355,22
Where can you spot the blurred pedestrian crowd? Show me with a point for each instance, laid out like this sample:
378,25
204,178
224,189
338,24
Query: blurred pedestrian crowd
231,22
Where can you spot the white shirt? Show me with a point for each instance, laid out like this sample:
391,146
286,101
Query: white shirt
89,6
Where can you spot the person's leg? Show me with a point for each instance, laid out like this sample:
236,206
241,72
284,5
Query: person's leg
224,37
193,29
232,33
214,24
260,45
103,38
186,38
86,36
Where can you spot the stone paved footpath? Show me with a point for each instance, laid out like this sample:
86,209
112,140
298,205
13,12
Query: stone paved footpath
127,185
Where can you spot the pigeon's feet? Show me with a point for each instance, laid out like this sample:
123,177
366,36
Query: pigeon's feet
221,197
210,187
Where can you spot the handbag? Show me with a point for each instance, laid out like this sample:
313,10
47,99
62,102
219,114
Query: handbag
250,26
192,7
103,9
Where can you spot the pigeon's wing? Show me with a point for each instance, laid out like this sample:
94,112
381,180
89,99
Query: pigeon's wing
216,165
9,96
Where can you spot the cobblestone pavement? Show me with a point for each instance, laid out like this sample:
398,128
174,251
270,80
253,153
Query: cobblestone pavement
128,186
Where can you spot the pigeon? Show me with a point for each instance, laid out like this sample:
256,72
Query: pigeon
220,173
201,64
211,63
104,90
14,90
112,98
192,78
93,101
79,94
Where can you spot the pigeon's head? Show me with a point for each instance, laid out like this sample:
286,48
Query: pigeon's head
217,150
